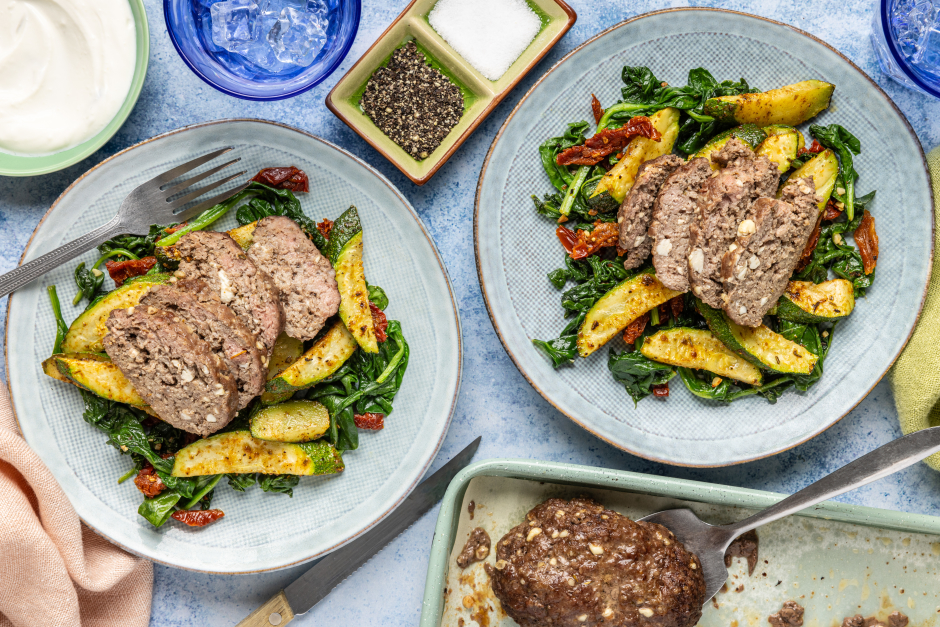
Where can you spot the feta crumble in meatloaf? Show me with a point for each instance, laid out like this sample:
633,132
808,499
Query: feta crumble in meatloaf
574,564
215,324
673,214
726,199
219,261
305,278
636,211
756,269
175,371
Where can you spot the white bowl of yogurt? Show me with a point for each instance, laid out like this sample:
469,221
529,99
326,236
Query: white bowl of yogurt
70,74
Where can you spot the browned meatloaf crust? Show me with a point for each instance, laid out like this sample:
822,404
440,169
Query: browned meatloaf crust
305,278
725,201
673,214
215,324
219,261
175,371
757,269
578,564
636,211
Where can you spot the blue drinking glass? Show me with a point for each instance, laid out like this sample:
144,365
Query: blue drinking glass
188,22
906,38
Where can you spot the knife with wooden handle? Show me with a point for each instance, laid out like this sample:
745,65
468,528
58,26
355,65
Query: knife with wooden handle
311,587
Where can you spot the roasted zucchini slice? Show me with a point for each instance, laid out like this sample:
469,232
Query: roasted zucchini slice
748,133
323,359
623,304
810,303
238,453
293,421
782,145
760,346
244,235
700,350
344,250
286,351
86,331
620,179
95,373
790,105
823,169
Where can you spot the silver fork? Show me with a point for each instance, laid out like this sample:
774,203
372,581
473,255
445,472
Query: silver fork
709,542
152,202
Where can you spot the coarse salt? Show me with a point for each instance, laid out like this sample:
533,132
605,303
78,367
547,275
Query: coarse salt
489,34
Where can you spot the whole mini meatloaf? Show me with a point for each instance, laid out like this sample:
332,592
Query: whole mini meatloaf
219,261
757,268
216,325
726,199
172,368
673,214
574,563
636,211
305,278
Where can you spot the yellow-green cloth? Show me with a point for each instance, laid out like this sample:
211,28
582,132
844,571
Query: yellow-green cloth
915,378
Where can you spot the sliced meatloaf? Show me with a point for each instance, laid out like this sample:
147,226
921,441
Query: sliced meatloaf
726,200
219,261
216,325
673,214
636,211
756,270
172,368
304,278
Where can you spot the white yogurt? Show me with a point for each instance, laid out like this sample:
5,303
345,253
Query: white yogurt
65,69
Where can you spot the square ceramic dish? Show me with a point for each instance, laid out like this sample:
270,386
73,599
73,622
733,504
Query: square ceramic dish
836,560
481,95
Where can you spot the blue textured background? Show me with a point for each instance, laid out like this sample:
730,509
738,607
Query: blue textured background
495,401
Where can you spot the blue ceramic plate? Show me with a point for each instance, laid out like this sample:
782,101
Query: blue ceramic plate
516,248
260,531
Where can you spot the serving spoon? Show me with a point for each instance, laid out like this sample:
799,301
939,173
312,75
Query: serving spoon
710,542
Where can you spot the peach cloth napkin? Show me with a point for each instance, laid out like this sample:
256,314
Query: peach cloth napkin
55,571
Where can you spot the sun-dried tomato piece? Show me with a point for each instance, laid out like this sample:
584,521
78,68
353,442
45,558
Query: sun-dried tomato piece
149,482
585,243
608,142
371,421
198,517
380,322
814,149
635,328
596,109
121,271
325,228
807,254
867,241
677,304
660,391
290,178
832,211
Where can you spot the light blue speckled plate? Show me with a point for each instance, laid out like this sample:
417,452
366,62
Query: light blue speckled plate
516,248
260,531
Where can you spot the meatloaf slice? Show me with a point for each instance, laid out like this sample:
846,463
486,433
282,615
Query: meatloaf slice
175,371
219,261
636,211
304,278
673,214
726,200
215,324
758,267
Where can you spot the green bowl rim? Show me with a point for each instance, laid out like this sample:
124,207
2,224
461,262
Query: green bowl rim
90,146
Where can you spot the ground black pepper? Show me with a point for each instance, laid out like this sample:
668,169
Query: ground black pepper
414,104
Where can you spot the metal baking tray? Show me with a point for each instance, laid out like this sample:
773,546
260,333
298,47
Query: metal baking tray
834,559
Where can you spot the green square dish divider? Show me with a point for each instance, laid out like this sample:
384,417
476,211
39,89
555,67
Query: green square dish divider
481,95
621,480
